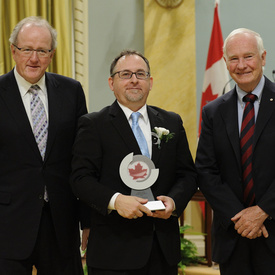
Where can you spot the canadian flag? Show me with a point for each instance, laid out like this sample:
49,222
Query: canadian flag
216,74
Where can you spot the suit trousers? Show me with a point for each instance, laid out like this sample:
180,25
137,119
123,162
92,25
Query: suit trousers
46,256
156,265
250,257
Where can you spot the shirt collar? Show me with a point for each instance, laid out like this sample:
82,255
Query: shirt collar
257,91
128,112
24,85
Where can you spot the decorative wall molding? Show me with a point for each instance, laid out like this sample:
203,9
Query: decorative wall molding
169,3
81,45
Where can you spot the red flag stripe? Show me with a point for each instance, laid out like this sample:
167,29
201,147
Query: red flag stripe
216,74
215,51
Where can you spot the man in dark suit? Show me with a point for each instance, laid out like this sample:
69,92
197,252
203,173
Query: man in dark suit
38,212
126,237
235,161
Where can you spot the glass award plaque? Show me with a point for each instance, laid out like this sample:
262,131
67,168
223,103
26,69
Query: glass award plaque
139,173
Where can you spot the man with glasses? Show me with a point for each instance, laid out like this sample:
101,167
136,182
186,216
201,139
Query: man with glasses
126,236
38,116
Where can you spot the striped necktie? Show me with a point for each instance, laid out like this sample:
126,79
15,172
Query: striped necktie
246,142
139,135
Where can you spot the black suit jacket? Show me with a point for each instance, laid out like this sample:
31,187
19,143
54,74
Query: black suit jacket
23,173
218,163
104,139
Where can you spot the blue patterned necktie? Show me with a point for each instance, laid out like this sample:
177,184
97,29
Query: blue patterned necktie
39,119
139,135
40,124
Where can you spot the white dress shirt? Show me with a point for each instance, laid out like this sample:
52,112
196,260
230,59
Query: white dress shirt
145,126
240,104
24,86
143,122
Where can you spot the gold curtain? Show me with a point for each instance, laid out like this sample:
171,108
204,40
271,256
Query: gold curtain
81,43
59,15
169,44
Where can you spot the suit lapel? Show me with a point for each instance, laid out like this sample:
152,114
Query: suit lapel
119,120
55,103
123,128
229,113
267,107
155,121
12,99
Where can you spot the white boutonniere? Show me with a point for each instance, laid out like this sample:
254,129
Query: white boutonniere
161,134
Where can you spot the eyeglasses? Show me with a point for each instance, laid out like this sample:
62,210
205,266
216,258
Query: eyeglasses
128,74
28,52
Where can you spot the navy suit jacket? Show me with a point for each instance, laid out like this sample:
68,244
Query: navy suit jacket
104,139
218,164
23,173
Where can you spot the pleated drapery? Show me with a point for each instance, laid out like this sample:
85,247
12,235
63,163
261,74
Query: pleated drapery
59,15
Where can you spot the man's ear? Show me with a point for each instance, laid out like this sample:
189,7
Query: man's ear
111,83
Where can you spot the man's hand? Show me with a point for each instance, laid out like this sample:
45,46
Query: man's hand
249,222
131,207
169,208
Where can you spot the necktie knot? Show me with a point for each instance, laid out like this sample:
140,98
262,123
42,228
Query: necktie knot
135,116
139,134
34,89
250,98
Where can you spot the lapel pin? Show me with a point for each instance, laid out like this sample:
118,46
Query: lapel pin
271,99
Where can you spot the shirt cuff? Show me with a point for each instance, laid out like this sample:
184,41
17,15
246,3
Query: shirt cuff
111,205
174,213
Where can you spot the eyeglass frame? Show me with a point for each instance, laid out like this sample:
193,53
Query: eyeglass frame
135,73
47,52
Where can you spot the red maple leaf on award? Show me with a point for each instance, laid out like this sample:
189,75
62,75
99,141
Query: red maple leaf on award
138,172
